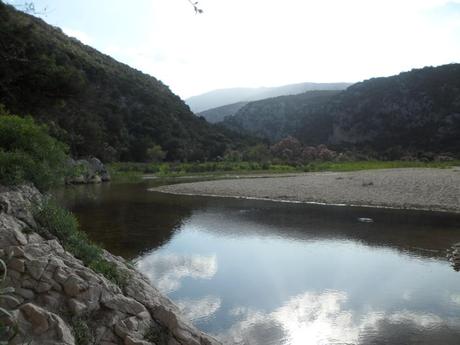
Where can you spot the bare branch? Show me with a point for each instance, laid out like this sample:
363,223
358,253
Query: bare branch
27,7
196,7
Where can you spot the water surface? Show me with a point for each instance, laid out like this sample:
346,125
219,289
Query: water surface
256,272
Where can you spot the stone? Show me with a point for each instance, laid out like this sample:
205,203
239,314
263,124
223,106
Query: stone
76,307
60,275
132,341
63,331
17,265
73,285
24,293
14,251
36,316
124,304
42,287
36,268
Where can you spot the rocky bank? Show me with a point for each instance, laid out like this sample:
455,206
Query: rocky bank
63,302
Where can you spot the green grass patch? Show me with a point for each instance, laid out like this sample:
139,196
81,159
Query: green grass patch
370,165
133,172
63,224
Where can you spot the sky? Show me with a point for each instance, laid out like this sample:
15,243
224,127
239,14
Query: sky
252,43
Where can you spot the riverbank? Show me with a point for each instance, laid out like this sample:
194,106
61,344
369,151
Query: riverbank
135,172
409,188
52,297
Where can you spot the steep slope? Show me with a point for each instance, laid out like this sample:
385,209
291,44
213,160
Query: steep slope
92,102
218,114
218,98
276,118
416,110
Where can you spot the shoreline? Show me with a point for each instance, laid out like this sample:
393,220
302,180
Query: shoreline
422,189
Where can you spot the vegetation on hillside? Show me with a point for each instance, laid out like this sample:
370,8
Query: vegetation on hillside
277,118
94,104
410,114
218,114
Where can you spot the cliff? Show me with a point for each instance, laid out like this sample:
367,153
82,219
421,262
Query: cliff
61,301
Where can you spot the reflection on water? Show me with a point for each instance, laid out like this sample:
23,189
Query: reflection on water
168,270
254,272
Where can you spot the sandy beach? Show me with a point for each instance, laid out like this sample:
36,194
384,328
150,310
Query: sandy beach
409,188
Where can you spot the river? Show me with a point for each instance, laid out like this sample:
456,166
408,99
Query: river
258,272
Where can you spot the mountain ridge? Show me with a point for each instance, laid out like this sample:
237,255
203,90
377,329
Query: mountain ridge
414,110
222,97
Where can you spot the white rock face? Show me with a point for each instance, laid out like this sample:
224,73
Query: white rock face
61,299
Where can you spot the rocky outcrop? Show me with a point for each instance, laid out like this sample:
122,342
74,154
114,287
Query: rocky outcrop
63,302
90,170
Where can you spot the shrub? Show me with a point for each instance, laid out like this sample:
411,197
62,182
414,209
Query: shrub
28,153
110,271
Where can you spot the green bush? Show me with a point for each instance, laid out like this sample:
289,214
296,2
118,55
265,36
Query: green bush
28,153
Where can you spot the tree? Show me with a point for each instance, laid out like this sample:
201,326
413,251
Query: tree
28,153
156,154
288,150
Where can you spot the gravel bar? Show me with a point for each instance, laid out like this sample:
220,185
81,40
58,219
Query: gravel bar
408,188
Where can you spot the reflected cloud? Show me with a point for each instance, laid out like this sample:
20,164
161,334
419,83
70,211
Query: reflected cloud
320,319
455,298
167,270
198,309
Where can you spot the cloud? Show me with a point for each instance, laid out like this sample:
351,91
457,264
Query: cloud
79,35
264,42
167,270
198,309
320,318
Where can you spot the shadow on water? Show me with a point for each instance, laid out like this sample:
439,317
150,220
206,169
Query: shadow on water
128,220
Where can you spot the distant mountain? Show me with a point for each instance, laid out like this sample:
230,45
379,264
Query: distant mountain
416,110
279,117
218,98
218,114
95,104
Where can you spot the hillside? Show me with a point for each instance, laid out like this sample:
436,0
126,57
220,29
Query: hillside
416,110
218,114
218,98
95,104
279,117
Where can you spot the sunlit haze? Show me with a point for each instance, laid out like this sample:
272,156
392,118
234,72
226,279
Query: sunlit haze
255,43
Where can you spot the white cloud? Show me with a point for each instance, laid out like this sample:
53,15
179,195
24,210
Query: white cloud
267,42
166,271
83,37
198,309
320,318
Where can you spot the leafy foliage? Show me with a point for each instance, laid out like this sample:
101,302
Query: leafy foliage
28,153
